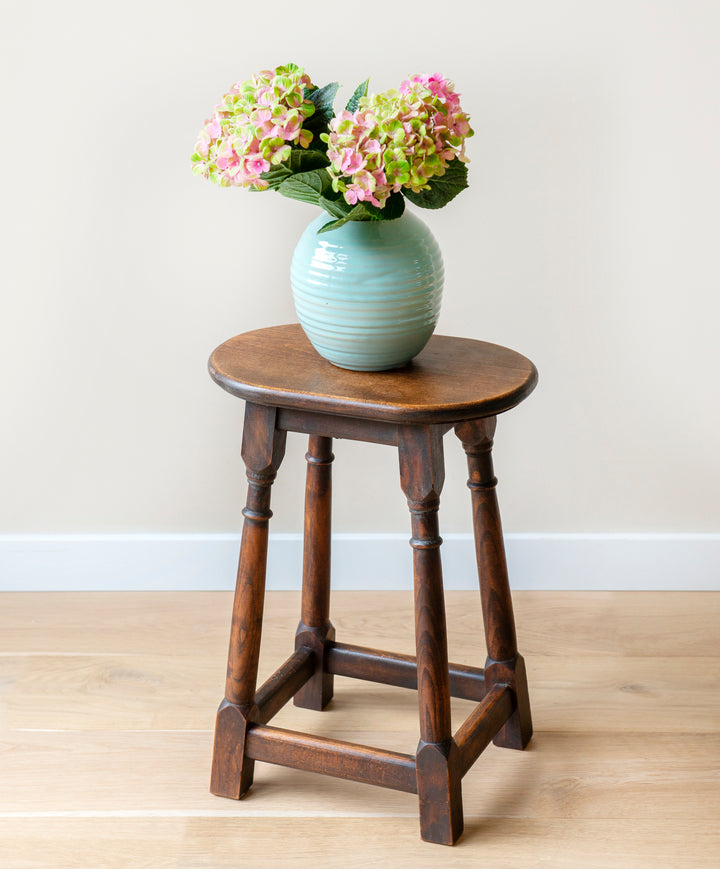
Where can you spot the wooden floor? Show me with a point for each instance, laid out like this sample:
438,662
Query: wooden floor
107,704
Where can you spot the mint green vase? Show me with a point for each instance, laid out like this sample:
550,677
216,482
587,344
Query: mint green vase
368,294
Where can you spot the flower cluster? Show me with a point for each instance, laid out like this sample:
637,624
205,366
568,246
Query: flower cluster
397,139
279,131
255,127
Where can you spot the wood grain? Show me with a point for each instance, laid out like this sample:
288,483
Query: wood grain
504,665
477,731
96,692
263,448
105,738
315,628
452,379
216,843
552,623
563,775
347,760
376,665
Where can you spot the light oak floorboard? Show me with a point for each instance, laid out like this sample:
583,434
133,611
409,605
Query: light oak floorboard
147,692
339,843
107,704
624,624
560,776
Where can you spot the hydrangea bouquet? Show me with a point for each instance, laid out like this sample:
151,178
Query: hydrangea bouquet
278,131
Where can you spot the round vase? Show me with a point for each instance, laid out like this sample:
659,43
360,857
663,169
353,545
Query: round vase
368,294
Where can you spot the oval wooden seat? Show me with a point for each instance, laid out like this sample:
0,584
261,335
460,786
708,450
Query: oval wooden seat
453,379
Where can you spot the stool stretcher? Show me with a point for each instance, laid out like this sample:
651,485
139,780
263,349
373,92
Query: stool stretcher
373,665
284,684
474,736
334,757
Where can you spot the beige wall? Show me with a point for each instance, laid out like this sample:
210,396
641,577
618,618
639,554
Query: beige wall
588,240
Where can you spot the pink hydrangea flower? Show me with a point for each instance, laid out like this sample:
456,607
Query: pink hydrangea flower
254,127
398,139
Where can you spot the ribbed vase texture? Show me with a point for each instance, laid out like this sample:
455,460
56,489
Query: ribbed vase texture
368,293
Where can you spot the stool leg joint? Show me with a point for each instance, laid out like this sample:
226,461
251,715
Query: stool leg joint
317,692
517,731
439,787
232,770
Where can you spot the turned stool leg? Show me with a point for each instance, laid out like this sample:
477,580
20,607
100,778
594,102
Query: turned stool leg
422,474
315,628
504,664
262,451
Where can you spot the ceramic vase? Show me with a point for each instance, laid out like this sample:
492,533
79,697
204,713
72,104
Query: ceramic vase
368,293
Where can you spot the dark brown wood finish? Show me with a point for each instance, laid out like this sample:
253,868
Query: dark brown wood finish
374,665
451,380
329,425
284,683
263,449
454,382
518,730
504,664
439,780
315,628
478,731
422,474
388,769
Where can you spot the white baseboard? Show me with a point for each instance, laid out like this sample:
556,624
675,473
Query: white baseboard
184,562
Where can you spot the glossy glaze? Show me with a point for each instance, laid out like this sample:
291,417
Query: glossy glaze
368,294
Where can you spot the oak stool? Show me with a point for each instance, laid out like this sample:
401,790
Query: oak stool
454,383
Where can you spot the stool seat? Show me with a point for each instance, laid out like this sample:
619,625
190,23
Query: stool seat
454,383
452,379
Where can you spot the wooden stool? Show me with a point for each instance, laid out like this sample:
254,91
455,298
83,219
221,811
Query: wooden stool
454,383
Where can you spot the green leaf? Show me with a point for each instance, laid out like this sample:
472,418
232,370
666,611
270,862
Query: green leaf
323,99
302,160
354,101
393,208
335,207
441,188
357,213
276,176
306,186
338,208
